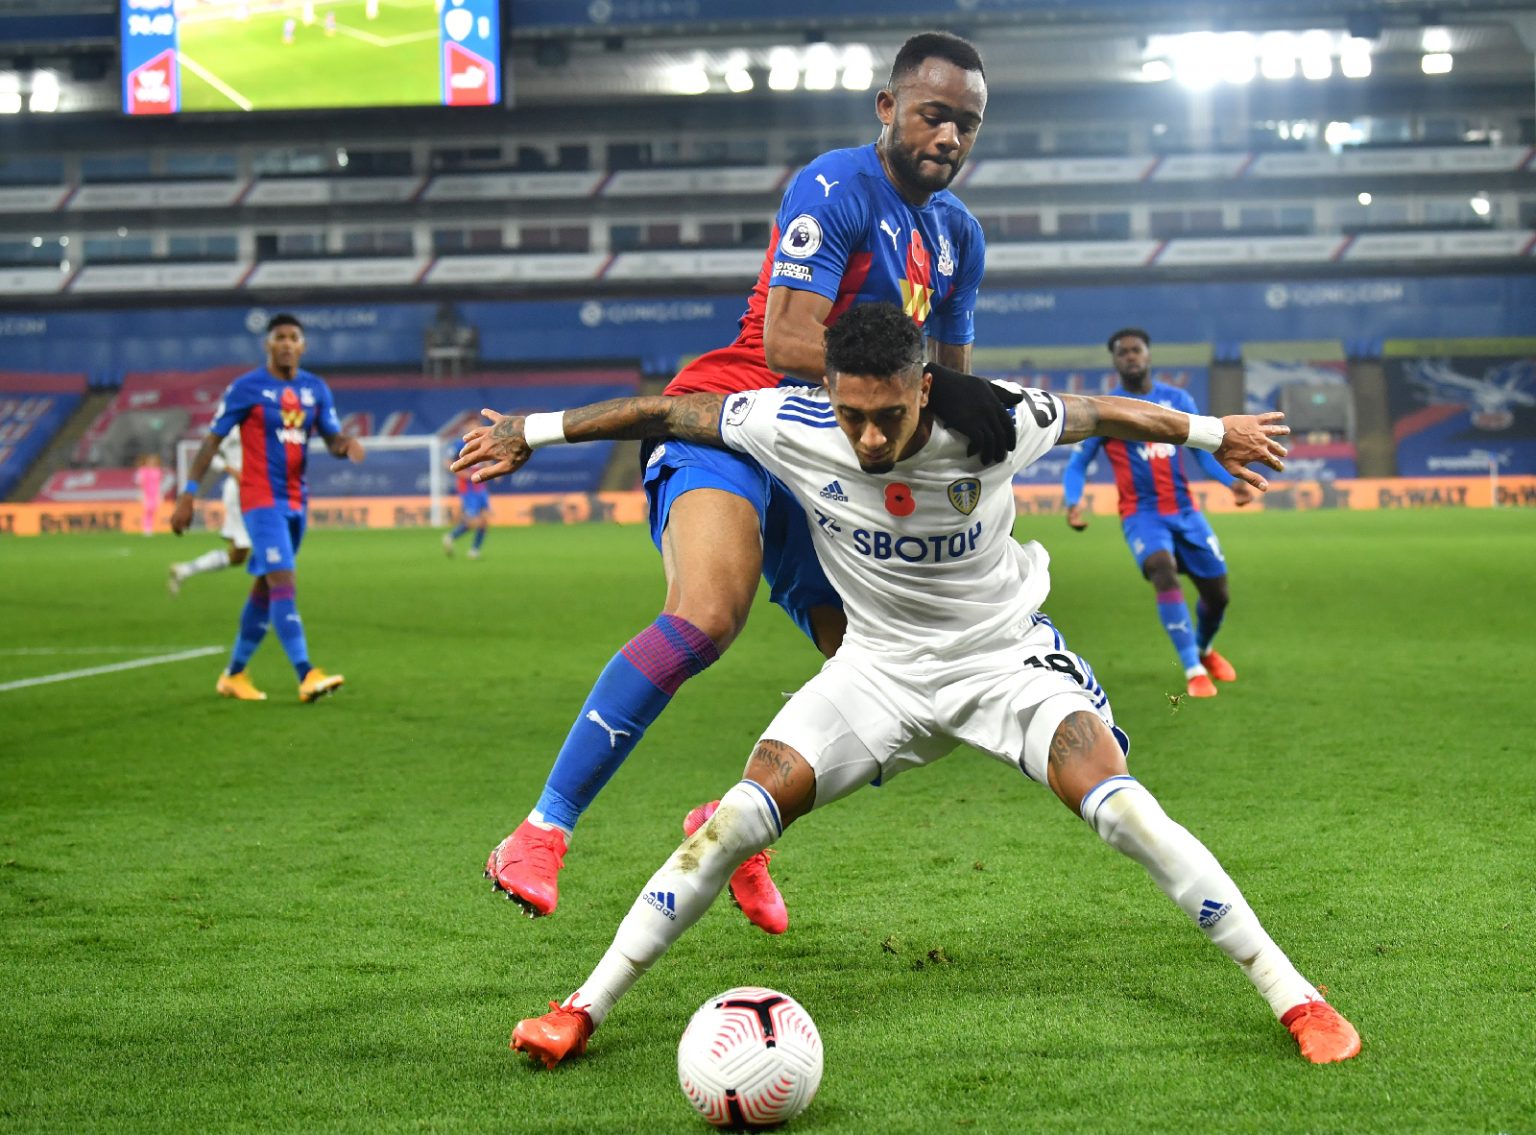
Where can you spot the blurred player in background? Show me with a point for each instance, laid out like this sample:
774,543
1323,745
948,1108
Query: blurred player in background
1165,529
227,462
150,479
867,224
946,645
474,512
276,408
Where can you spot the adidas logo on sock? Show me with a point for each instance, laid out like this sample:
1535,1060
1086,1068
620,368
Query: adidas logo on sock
664,901
834,492
1212,912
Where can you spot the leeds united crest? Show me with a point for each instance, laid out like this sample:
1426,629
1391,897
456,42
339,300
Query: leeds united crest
965,494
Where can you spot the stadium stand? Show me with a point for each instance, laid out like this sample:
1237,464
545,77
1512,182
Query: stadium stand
33,407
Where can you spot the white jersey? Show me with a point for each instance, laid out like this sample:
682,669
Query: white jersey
923,556
229,458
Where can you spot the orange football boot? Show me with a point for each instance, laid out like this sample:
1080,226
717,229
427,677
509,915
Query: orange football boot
526,865
1218,667
1324,1036
1201,686
557,1034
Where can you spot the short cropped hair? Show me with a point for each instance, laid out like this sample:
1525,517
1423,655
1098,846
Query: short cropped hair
284,319
929,45
1124,331
875,340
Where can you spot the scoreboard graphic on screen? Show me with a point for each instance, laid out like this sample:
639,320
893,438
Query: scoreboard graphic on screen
187,56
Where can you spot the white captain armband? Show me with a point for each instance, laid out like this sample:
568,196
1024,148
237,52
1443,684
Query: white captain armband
540,430
1205,432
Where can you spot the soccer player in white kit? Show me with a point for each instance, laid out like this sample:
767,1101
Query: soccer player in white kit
226,461
946,643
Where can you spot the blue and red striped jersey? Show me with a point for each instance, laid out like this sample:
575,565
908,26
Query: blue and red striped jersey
1149,475
843,232
276,418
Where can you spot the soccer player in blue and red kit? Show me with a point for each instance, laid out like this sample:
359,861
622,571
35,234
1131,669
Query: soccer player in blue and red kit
1165,529
474,512
276,409
875,223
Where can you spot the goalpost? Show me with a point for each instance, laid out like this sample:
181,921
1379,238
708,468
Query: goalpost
415,464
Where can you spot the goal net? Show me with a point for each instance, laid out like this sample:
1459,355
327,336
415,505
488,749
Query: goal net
410,467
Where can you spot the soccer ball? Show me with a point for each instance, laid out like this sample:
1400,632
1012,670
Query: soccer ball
750,1057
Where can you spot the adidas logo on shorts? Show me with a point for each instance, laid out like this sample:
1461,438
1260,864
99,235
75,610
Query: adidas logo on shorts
834,492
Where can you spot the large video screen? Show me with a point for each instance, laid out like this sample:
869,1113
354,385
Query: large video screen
186,56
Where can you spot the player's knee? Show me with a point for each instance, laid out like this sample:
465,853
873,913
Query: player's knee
1084,753
720,617
786,776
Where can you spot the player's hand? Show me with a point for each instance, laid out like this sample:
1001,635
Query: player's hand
975,407
355,450
1242,494
500,446
1075,519
181,515
1249,439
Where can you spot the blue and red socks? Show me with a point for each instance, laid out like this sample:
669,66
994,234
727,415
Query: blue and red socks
290,629
630,694
1174,613
254,619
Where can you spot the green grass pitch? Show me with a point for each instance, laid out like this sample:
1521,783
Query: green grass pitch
391,60
270,917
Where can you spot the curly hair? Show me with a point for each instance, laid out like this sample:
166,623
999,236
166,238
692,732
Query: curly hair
934,45
1133,332
875,340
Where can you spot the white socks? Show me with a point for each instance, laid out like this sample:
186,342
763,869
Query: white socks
1130,820
208,561
677,896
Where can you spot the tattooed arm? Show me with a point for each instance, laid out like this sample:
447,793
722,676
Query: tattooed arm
1245,438
503,447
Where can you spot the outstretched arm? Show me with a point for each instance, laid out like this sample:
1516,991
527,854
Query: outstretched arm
1237,440
181,515
505,445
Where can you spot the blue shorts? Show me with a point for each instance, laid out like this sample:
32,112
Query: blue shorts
1186,534
795,579
472,505
276,535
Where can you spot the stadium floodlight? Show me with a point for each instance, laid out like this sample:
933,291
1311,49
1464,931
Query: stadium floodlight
1481,205
820,67
1436,41
1355,59
1237,61
1316,55
45,93
1340,134
1364,198
783,69
1437,64
858,67
1156,71
1196,60
1277,55
688,79
738,80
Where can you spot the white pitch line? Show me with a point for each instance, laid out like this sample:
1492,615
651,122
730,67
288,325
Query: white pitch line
68,675
386,41
24,651
214,81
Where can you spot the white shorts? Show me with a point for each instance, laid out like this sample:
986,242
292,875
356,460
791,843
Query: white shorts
234,520
865,717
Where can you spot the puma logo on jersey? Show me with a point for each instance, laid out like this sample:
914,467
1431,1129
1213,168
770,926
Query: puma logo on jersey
894,234
613,734
826,186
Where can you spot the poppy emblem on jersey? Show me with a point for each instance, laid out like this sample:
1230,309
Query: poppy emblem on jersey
965,494
898,499
802,237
